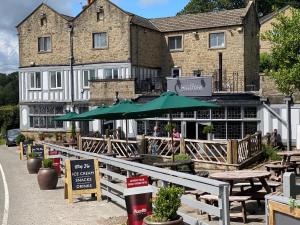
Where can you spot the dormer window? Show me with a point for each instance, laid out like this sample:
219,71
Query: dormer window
100,13
43,19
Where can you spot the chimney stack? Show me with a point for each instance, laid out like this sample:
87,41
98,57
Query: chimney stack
89,2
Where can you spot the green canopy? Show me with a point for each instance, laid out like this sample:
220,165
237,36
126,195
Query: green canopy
167,103
114,112
87,115
66,117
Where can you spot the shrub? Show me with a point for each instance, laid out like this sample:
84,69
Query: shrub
169,127
20,138
47,163
166,204
270,153
32,155
181,157
208,129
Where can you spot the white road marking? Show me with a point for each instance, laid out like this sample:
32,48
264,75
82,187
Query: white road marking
6,194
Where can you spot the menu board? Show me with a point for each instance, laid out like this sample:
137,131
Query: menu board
39,150
83,174
82,177
24,148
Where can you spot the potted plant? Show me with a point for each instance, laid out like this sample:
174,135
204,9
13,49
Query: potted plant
47,175
208,130
165,209
33,163
20,138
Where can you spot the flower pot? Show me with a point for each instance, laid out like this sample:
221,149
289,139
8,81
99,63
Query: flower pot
33,165
47,178
179,221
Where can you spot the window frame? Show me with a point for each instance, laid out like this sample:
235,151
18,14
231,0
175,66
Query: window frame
176,49
43,38
112,75
61,80
216,47
35,80
89,77
176,68
93,40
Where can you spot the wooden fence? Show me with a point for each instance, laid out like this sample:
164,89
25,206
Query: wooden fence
233,152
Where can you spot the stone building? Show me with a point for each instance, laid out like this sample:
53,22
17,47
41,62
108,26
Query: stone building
274,112
77,63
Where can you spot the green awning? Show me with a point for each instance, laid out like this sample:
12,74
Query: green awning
67,117
88,114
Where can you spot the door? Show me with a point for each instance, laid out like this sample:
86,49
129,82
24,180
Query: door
201,136
191,130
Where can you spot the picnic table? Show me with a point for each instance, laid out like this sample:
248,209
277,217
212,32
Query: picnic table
287,156
243,175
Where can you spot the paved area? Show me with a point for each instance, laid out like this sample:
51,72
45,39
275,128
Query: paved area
28,205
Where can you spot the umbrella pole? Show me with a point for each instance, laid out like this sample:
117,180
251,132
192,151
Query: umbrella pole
172,140
126,124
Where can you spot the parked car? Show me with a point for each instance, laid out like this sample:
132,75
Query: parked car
11,136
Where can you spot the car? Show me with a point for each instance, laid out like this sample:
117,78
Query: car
11,136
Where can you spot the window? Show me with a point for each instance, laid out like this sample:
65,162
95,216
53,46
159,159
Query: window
111,74
100,40
175,43
55,79
43,21
176,72
233,112
44,44
217,40
219,130
250,128
189,115
234,130
218,113
42,116
203,114
140,127
88,75
250,112
35,80
100,13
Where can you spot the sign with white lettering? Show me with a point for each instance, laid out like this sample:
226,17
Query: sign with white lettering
191,86
82,177
39,150
24,148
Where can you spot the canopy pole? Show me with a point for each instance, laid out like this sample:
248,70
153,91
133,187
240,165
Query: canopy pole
126,124
172,140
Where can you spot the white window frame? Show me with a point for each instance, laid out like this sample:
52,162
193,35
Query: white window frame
56,83
175,49
176,68
112,71
43,44
93,40
33,75
217,46
89,77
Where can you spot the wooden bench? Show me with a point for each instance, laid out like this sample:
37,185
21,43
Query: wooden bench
213,199
272,184
277,168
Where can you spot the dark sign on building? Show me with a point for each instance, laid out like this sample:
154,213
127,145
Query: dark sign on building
191,86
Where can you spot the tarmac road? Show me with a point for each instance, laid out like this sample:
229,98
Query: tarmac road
28,205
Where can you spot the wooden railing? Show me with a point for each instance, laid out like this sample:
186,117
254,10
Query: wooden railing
233,152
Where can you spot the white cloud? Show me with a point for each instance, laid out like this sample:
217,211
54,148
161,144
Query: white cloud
152,2
15,11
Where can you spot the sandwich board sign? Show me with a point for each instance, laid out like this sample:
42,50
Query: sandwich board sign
24,148
40,150
82,177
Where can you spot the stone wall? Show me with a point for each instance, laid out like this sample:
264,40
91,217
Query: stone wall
196,55
104,91
115,23
29,32
146,47
251,46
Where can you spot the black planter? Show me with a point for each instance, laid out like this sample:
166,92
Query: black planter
33,165
47,178
179,221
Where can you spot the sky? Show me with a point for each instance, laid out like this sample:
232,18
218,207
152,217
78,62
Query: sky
14,11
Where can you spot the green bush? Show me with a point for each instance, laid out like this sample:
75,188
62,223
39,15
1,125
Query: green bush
32,155
9,118
270,153
47,163
181,157
169,127
208,129
265,62
20,138
166,204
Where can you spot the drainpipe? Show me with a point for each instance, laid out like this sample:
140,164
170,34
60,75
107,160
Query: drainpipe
288,100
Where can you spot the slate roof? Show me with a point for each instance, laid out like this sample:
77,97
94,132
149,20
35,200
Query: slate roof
273,14
200,20
143,22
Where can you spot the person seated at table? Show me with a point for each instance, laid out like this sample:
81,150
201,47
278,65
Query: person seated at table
175,134
276,140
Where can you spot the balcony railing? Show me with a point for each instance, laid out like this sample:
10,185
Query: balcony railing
153,84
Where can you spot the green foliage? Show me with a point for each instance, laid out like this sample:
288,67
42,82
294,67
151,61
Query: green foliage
9,118
20,138
32,155
285,39
2,141
265,62
208,129
41,136
47,163
270,153
181,157
9,91
73,131
169,127
167,203
293,203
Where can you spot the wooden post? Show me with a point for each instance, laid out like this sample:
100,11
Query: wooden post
182,146
109,146
259,141
249,145
232,151
79,142
229,151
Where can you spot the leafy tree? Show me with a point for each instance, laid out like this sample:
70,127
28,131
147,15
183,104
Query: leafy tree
9,89
285,39
264,7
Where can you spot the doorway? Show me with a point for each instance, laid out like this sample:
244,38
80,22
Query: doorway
201,136
191,130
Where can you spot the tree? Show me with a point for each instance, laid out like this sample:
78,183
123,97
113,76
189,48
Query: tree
285,39
9,89
264,7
